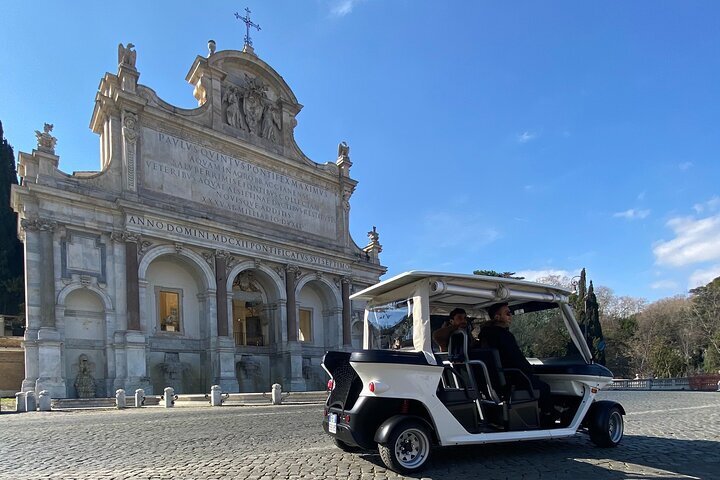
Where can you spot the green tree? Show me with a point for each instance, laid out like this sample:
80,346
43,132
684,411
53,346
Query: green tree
12,291
587,311
493,273
705,312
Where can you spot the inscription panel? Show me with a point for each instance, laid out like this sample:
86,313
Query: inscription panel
251,248
179,167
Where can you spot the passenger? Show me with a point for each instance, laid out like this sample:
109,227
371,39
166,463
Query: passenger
496,334
457,320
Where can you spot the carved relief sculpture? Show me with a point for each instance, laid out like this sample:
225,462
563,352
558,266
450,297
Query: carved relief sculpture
271,122
126,55
84,382
130,133
248,108
233,113
45,141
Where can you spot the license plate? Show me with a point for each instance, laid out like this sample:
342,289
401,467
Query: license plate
332,423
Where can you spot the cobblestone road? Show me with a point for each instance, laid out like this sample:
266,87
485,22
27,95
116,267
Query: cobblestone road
668,435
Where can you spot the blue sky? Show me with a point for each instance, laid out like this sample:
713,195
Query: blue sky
526,136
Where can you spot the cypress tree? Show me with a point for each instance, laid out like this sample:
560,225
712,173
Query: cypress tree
12,288
594,333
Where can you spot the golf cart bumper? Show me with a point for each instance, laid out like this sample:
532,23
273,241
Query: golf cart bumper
344,431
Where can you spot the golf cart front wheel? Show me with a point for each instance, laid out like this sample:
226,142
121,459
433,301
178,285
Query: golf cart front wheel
607,428
407,448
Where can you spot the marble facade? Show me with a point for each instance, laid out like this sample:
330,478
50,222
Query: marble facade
208,249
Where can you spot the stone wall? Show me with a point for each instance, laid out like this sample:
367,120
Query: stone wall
12,366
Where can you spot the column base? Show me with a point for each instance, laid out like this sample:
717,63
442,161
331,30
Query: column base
55,386
133,383
28,385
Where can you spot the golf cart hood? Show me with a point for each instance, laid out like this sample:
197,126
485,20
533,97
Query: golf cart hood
421,289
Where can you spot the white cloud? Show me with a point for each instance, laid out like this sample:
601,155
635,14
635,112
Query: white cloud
664,285
526,136
685,166
532,275
343,7
632,214
703,277
710,206
641,196
696,241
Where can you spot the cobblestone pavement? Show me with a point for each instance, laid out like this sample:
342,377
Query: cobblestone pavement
668,435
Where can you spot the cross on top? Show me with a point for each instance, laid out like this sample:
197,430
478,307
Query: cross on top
248,23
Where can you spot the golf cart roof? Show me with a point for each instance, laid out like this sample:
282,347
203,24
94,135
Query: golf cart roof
462,289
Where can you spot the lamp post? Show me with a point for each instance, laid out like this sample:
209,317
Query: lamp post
574,284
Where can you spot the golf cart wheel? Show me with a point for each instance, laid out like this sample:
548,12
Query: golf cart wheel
606,429
408,447
345,447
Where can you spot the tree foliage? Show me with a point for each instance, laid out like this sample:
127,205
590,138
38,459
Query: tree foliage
11,252
493,273
676,336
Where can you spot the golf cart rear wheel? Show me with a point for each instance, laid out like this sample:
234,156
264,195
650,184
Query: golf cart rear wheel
607,428
408,447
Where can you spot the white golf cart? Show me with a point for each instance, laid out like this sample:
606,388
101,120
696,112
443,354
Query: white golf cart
403,396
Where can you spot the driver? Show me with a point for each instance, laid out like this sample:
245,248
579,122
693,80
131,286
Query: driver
496,334
457,320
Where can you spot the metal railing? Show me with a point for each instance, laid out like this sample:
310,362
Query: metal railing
698,382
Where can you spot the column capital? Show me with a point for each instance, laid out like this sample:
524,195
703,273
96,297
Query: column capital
38,224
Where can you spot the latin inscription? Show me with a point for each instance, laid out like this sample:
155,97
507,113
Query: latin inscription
175,166
249,247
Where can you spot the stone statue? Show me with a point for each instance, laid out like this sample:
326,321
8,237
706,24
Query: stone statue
84,382
45,141
343,150
271,122
126,55
374,242
234,116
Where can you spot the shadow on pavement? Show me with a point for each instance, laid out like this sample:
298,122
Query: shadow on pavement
577,458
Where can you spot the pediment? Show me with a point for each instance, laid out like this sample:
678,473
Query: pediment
250,100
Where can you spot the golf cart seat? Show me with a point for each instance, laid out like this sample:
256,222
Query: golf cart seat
504,405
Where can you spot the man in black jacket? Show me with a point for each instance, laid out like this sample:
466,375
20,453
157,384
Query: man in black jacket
496,334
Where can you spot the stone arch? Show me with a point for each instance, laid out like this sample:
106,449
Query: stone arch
328,319
87,328
256,318
195,260
62,296
270,278
331,293
169,270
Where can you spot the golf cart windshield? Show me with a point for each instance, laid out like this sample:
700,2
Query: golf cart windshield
390,326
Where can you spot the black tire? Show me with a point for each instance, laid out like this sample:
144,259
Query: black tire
408,447
607,427
345,447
